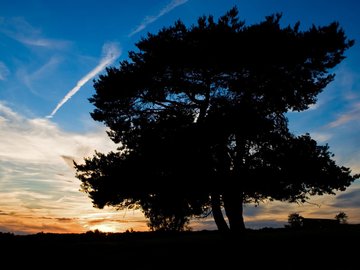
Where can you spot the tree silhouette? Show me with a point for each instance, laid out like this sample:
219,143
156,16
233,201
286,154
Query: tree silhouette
199,114
295,220
342,217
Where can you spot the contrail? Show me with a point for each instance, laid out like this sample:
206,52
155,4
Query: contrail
150,19
110,52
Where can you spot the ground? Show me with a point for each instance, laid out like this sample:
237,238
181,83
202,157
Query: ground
252,249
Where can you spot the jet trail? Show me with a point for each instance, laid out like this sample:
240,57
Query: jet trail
150,19
110,53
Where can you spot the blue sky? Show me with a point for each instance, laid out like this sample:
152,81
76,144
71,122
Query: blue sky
50,51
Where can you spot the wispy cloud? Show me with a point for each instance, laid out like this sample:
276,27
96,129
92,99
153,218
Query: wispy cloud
321,137
351,115
43,42
111,52
346,89
36,182
347,81
21,223
348,199
28,78
313,107
40,141
150,19
4,71
21,30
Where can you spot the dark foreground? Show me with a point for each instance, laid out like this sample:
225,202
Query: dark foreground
253,249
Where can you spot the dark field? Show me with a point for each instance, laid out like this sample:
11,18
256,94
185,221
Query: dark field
254,249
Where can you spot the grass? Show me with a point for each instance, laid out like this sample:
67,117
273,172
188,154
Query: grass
253,249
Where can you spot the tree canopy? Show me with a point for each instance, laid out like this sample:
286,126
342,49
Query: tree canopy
295,221
342,217
199,116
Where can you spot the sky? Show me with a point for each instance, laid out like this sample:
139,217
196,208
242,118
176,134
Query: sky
50,53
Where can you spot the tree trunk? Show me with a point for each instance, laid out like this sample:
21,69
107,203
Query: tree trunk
233,197
233,203
217,213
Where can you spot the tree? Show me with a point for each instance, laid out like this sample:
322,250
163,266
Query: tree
199,114
166,210
342,217
295,220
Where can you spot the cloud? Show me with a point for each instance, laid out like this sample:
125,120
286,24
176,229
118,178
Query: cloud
25,224
348,199
42,42
37,182
314,106
38,190
40,73
110,52
150,19
345,90
351,115
347,81
4,71
266,223
22,31
321,137
40,141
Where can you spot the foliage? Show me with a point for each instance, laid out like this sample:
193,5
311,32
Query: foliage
342,217
200,110
295,220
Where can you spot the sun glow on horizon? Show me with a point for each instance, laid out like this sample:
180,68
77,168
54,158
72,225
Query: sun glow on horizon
105,227
116,227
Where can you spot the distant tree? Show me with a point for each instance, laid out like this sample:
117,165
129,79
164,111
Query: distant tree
295,220
342,217
199,115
